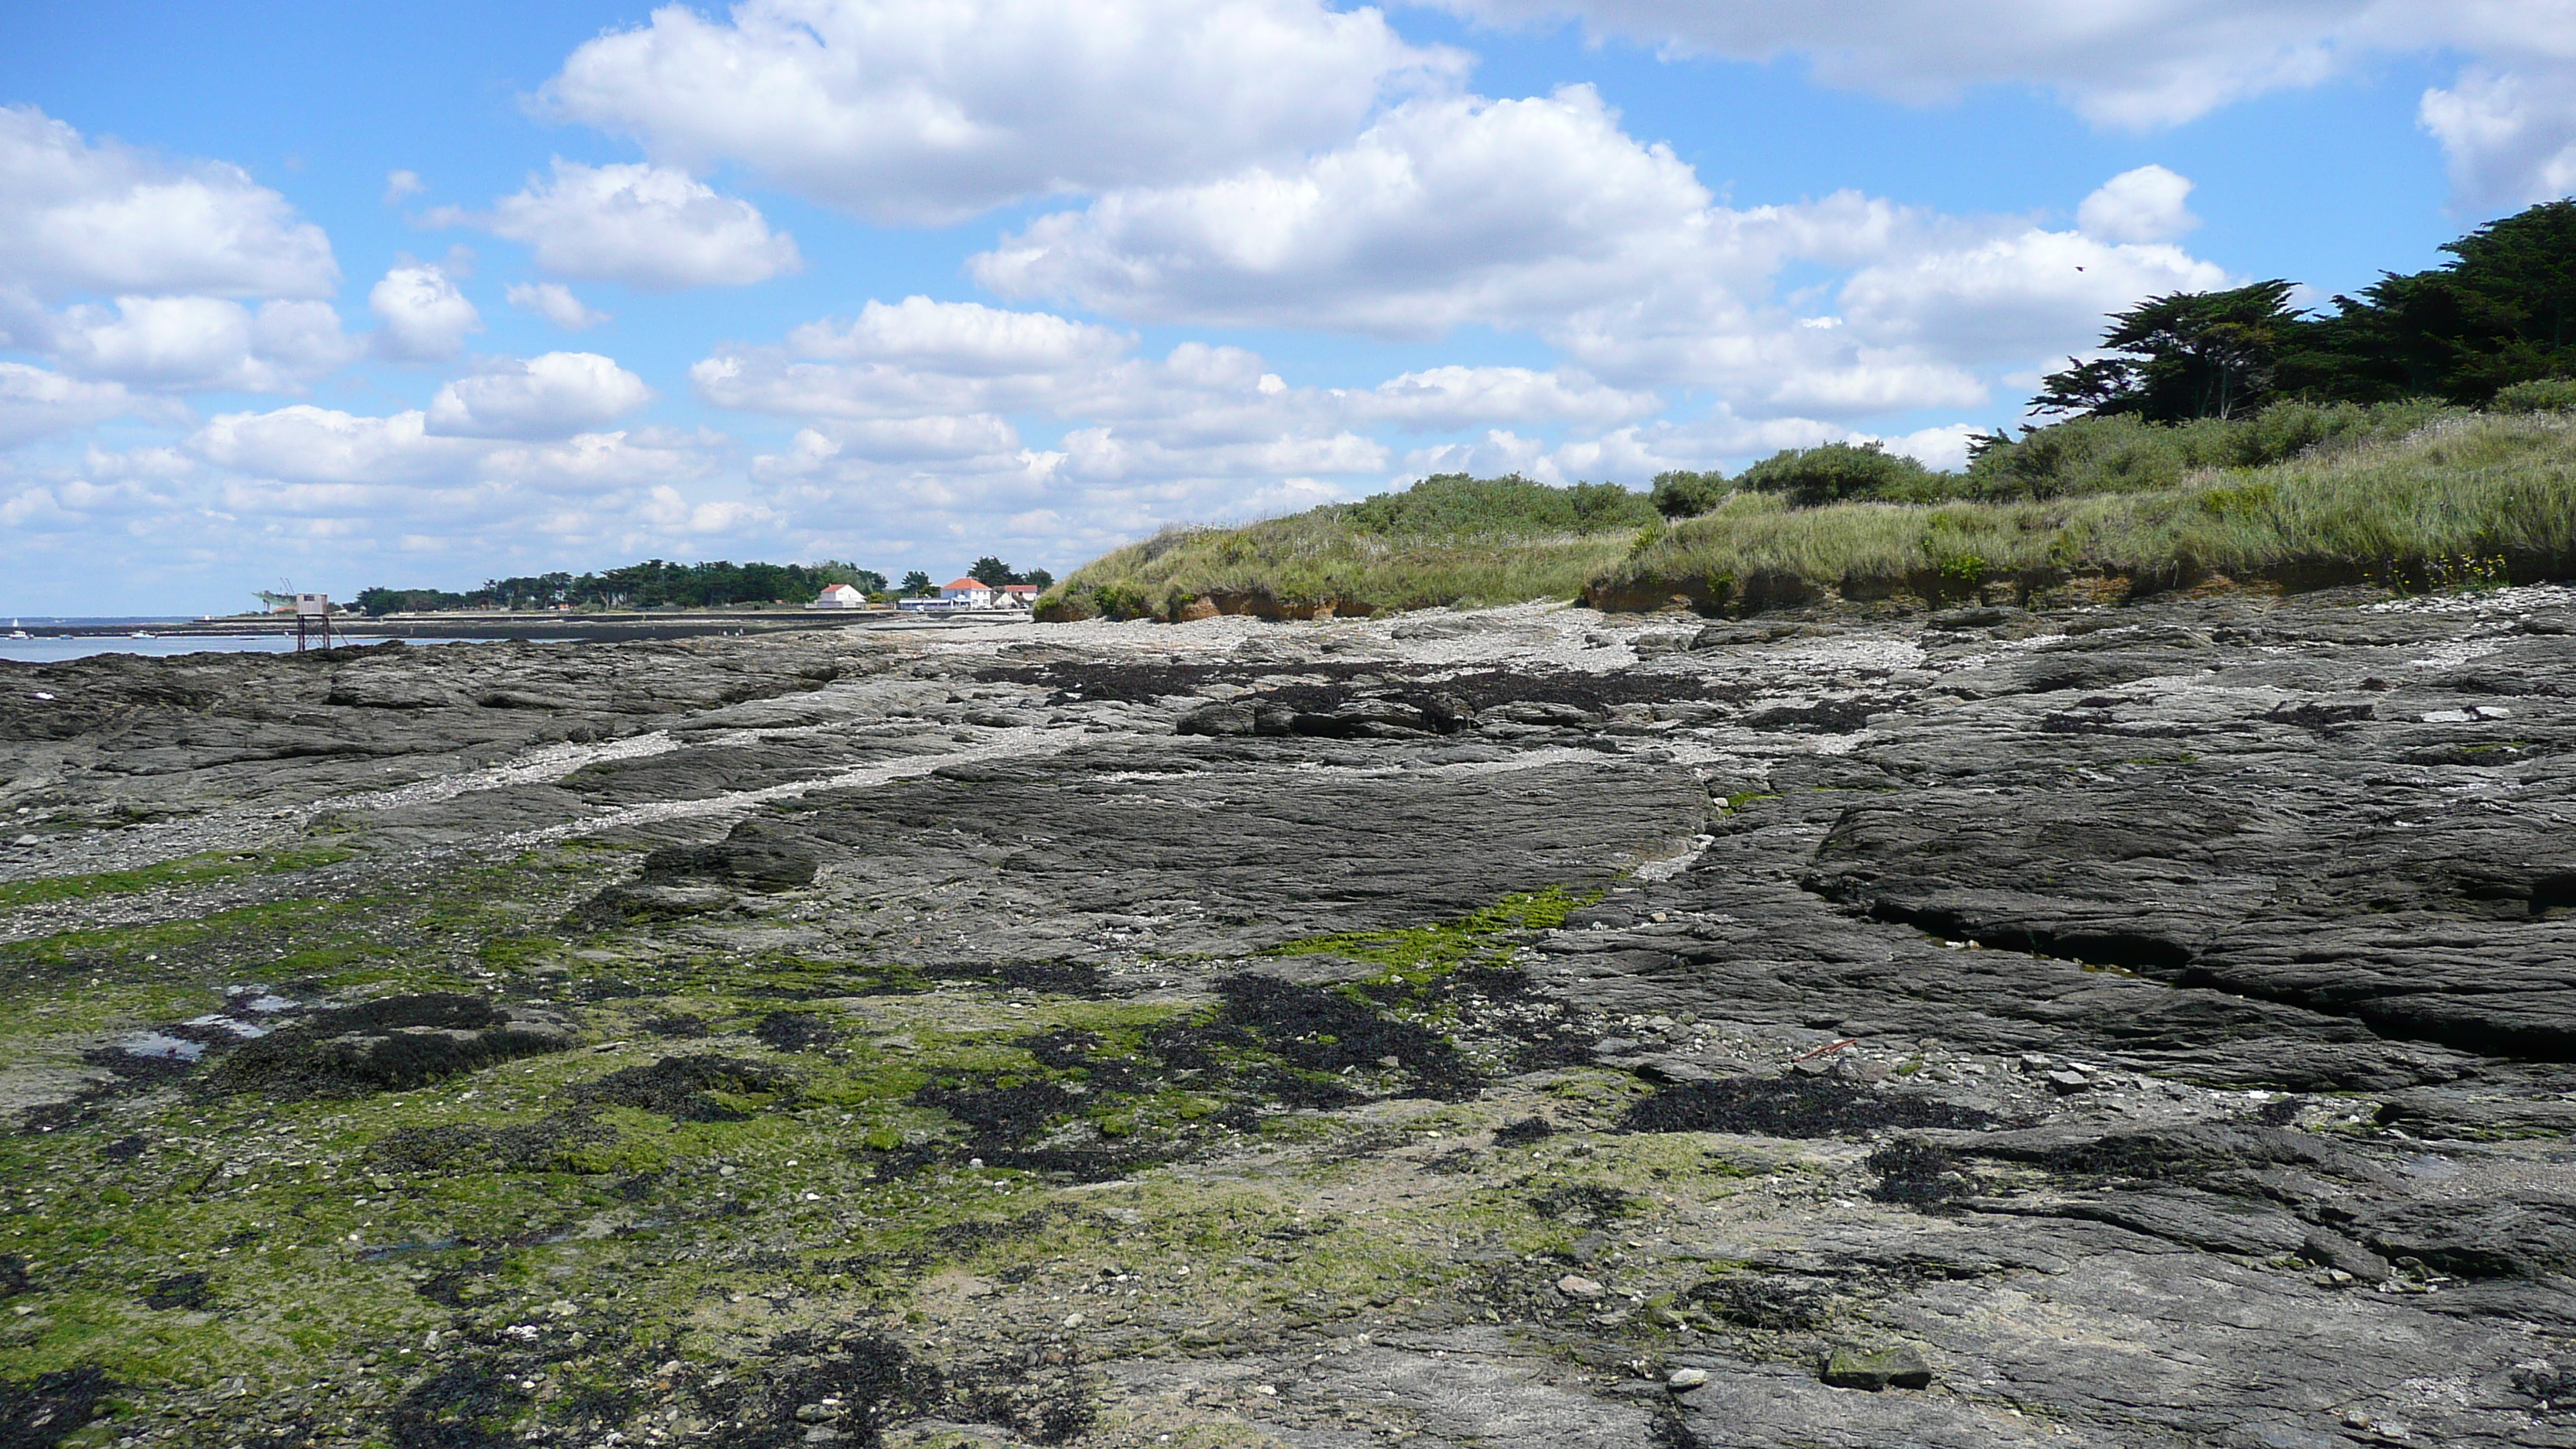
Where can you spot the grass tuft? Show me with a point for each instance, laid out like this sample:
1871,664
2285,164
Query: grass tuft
2412,496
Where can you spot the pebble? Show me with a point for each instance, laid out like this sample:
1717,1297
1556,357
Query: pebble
1574,1285
1682,1381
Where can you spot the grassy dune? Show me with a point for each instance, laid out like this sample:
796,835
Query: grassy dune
1450,540
2468,499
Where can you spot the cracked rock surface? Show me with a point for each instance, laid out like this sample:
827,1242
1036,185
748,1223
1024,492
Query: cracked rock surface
2126,1026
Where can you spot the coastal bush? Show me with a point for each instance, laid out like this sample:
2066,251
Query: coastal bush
1454,504
2475,487
1680,493
2394,492
2121,453
1834,473
2543,395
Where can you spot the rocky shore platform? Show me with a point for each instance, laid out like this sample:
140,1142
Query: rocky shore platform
2129,1026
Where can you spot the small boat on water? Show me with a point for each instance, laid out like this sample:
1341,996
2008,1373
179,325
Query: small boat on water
140,634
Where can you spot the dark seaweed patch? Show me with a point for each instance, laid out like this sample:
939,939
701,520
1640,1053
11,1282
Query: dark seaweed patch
463,1406
1319,1034
796,1031
41,1412
449,1287
1793,1107
1052,978
14,1278
1918,1174
1455,1162
1268,1043
551,1143
686,1089
181,1291
1834,717
1777,1305
130,1072
1052,1413
1590,1203
676,1024
1524,1132
392,1045
861,1384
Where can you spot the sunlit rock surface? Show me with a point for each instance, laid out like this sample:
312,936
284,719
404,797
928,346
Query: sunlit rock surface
2127,1026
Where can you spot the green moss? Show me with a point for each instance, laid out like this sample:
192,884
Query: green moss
1484,936
201,869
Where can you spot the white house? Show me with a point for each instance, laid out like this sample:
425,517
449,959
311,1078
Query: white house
840,596
969,594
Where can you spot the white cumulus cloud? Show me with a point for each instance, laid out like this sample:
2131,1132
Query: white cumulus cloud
2015,296
555,302
394,462
187,344
2144,205
646,226
81,217
2505,123
553,396
1442,398
2141,63
1544,216
2510,138
426,319
1444,211
35,403
933,110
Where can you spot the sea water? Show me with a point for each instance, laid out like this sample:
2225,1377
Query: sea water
53,649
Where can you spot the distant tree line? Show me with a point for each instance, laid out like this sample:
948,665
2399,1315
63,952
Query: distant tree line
651,584
992,573
655,583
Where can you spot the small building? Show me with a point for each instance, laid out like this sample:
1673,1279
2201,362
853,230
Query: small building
969,594
1021,596
839,596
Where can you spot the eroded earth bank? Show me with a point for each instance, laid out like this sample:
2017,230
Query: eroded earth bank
2128,1027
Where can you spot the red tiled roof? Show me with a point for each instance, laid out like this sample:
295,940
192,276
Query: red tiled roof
963,584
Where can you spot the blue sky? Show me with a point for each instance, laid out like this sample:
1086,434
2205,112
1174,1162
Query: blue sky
356,295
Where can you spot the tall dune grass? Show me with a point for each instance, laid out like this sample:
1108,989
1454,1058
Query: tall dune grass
1448,540
2492,494
1311,563
2488,496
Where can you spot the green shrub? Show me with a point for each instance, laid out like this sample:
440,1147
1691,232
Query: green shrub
2473,503
1453,504
1683,494
2121,454
1834,473
2542,395
2116,454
